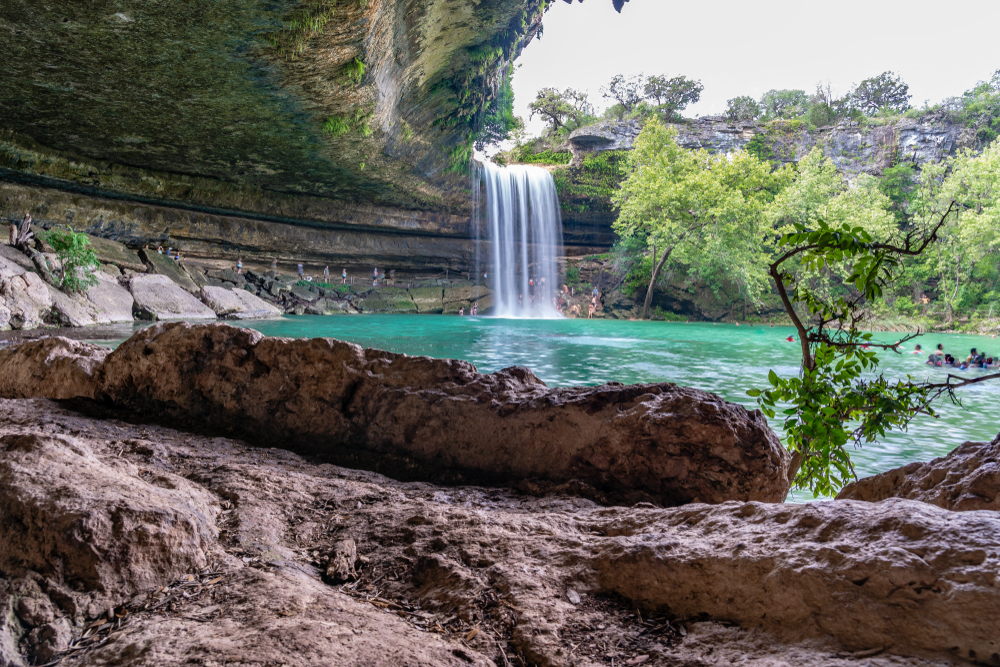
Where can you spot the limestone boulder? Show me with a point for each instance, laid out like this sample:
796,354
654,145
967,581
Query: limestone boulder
157,297
11,255
166,266
388,300
416,416
71,310
966,479
53,367
9,268
112,303
28,299
237,304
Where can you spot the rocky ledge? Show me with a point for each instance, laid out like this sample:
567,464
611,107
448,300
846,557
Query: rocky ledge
421,418
143,545
967,479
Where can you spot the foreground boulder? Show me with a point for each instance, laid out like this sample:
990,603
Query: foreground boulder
416,416
967,479
456,576
54,367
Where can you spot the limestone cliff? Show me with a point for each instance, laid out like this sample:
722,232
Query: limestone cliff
352,115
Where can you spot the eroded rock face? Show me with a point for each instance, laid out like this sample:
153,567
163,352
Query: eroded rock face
53,367
406,414
553,581
967,479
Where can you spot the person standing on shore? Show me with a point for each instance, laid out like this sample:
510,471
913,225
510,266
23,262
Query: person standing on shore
343,276
301,271
326,274
239,266
274,265
375,277
392,276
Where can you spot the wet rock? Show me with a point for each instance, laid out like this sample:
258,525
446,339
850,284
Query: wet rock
237,304
304,293
53,367
388,300
966,479
167,266
427,299
158,298
416,415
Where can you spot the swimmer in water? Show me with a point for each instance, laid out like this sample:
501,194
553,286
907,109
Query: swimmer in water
790,339
917,350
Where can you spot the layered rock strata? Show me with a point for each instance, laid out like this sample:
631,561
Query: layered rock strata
461,576
966,479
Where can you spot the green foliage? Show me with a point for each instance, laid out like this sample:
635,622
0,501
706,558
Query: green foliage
302,24
341,125
405,131
590,186
672,95
337,125
79,262
742,108
898,183
776,140
523,154
354,72
573,275
836,401
499,122
783,104
624,90
885,93
701,211
567,109
979,108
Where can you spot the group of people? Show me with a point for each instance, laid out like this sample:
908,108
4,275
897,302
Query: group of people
975,359
169,252
473,311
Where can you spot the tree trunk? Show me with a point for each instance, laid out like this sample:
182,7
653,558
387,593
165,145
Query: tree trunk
652,281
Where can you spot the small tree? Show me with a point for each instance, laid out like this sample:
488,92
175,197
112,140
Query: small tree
742,108
559,108
885,92
79,262
672,95
625,91
837,399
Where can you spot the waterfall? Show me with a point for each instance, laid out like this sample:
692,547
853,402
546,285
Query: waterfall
524,234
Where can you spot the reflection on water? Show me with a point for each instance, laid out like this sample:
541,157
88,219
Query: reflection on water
723,359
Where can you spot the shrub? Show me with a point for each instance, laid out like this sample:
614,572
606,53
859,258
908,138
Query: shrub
79,262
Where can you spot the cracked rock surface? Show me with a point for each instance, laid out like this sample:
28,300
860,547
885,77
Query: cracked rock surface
228,547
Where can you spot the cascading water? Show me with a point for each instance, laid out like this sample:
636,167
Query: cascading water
524,233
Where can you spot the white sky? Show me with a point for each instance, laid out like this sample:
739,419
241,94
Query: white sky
747,48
